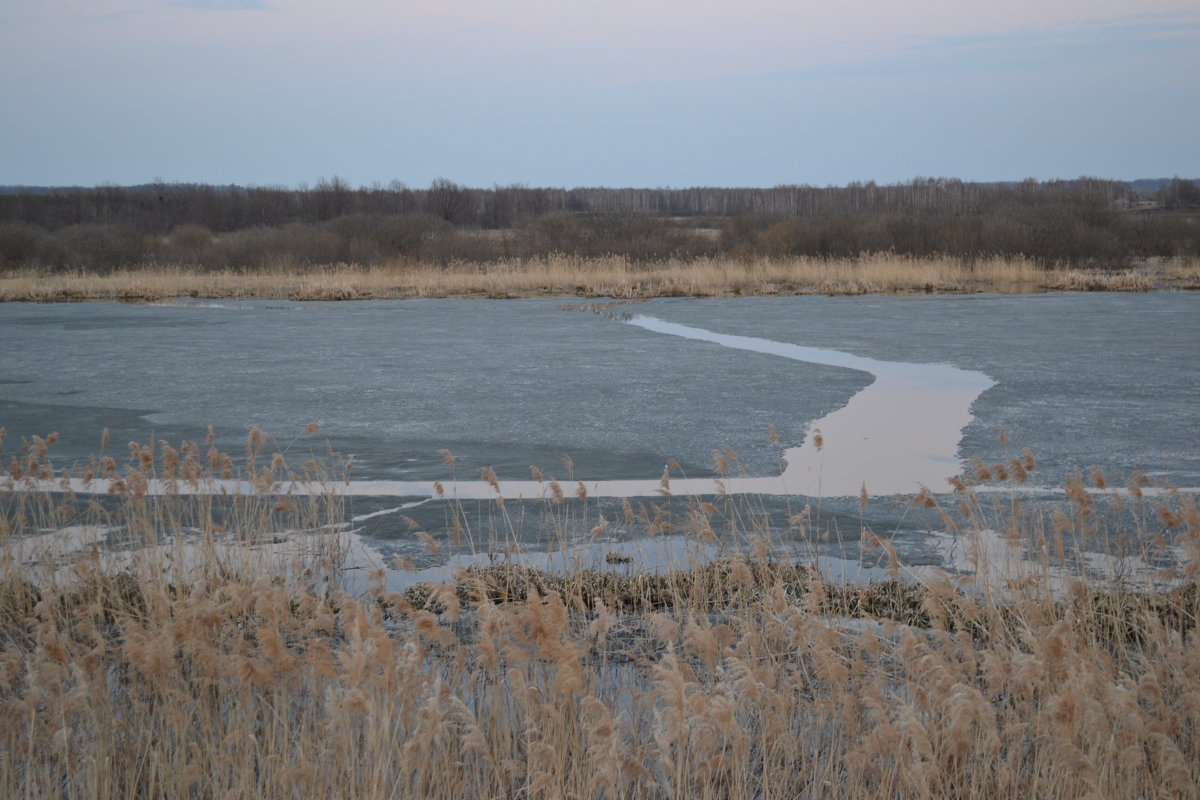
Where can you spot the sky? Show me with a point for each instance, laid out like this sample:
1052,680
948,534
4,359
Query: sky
596,93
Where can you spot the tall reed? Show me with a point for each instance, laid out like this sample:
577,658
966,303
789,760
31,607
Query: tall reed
614,276
201,645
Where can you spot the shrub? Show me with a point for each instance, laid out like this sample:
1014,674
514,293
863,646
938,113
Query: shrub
20,243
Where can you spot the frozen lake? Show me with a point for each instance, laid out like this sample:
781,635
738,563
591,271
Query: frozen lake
904,389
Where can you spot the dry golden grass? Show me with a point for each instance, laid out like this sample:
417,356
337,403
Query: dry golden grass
190,659
565,276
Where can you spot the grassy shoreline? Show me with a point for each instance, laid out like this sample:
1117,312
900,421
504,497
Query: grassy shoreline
568,276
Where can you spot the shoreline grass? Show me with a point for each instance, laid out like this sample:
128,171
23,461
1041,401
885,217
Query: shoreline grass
618,277
198,655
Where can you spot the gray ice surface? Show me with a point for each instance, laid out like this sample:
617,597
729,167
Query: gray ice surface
499,383
1098,379
1111,380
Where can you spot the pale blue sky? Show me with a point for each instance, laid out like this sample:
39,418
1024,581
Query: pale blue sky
622,92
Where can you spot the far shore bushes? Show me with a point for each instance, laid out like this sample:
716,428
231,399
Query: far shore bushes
1084,223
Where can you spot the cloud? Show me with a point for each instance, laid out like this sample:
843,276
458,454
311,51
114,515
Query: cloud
223,5
1092,42
115,15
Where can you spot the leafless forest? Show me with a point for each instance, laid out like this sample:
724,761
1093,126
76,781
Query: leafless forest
1083,223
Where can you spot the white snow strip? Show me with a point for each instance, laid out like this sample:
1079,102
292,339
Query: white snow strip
897,435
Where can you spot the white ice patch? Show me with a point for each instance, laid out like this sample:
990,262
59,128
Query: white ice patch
898,434
57,546
987,561
641,556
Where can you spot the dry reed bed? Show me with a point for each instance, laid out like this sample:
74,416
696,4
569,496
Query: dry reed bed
259,677
563,276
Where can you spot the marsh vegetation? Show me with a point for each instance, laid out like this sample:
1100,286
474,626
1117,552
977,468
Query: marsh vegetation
608,277
191,642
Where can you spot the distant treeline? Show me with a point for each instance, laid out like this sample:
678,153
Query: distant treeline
1085,221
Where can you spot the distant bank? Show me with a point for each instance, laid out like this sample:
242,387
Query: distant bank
601,277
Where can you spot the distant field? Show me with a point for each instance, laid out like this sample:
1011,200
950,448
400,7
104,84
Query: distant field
571,276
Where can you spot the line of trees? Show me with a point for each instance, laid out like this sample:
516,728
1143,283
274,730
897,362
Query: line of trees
159,208
1088,220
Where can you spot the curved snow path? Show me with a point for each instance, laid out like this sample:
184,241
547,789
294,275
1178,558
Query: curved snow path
897,435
